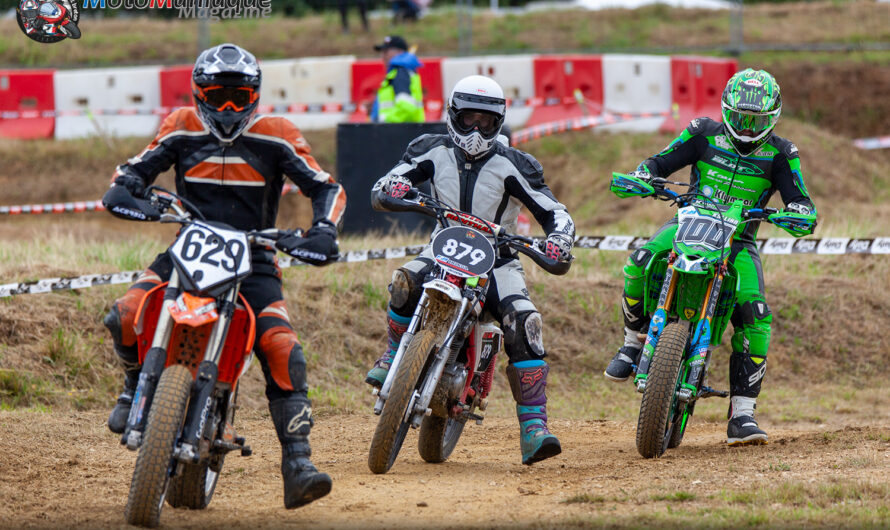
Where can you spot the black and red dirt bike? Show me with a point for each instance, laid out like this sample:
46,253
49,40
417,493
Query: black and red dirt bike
444,366
195,338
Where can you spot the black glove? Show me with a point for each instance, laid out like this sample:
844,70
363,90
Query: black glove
134,184
317,247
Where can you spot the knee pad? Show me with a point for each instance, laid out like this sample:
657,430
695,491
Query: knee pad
752,322
746,374
637,263
405,291
284,358
112,321
523,336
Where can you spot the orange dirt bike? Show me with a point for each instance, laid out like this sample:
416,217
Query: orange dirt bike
444,366
195,339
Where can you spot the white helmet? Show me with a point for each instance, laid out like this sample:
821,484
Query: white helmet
476,111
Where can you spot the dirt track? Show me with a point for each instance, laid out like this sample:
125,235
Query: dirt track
66,470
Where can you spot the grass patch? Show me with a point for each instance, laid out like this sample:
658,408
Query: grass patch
677,496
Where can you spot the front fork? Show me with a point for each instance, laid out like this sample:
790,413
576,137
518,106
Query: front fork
656,324
156,360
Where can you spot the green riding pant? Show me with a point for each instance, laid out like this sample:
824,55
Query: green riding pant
751,316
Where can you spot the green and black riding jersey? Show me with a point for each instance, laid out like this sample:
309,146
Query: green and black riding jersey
726,176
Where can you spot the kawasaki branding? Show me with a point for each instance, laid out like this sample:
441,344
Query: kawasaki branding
723,197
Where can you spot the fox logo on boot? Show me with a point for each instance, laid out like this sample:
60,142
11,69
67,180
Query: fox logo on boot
530,378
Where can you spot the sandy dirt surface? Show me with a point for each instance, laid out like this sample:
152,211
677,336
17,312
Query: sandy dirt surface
66,470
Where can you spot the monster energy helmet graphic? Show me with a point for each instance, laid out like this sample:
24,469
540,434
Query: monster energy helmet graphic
48,21
751,105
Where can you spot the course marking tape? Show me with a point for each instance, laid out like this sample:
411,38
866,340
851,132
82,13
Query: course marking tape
779,245
881,142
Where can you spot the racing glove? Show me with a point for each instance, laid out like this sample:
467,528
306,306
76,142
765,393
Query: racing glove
135,185
317,247
558,246
397,186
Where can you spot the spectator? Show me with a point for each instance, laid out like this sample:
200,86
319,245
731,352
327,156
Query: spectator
400,96
362,9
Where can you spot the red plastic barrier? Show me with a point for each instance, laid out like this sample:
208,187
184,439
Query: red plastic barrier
697,84
176,86
558,77
367,74
29,91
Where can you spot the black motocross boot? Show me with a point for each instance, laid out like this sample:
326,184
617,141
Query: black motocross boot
117,420
303,483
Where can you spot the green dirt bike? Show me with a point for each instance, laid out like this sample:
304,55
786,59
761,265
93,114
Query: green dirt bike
690,292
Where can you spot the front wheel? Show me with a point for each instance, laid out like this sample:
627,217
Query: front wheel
438,438
153,463
393,425
660,398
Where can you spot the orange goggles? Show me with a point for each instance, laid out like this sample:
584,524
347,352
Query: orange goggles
226,97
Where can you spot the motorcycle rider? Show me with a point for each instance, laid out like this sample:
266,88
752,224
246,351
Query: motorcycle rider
231,164
472,169
740,158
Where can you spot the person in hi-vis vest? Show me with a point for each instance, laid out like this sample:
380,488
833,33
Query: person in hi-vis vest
400,96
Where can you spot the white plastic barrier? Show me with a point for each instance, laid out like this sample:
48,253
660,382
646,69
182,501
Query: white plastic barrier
107,88
309,80
515,74
636,83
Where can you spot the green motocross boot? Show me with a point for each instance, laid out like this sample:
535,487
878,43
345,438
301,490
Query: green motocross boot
528,380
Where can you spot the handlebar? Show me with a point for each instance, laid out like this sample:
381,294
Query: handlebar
419,202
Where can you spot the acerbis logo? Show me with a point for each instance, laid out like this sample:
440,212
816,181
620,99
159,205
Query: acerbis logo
136,214
48,21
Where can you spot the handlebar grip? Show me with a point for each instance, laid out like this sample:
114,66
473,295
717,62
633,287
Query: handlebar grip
552,266
382,201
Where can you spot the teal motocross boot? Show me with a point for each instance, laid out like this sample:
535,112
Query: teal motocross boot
528,380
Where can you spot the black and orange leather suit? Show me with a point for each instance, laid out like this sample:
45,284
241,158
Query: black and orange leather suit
240,184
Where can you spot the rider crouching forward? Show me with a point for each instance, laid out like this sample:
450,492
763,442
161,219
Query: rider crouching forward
470,169
231,164
739,159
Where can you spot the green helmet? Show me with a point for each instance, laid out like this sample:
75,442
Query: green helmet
751,105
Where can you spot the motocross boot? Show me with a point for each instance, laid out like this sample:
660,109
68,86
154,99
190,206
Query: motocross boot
117,421
622,365
528,380
303,483
746,373
396,326
742,428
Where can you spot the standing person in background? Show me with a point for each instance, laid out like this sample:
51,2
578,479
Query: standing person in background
400,96
343,5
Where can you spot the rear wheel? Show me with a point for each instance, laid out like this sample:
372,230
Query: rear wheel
393,426
194,488
438,438
155,459
660,398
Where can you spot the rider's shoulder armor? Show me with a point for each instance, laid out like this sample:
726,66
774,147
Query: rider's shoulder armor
784,146
525,163
704,126
427,142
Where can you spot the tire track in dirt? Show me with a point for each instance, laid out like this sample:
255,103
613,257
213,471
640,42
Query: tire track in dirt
66,470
